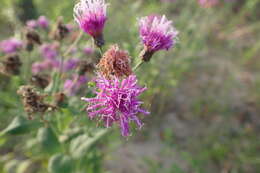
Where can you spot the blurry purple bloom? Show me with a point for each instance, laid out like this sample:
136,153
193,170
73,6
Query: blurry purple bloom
71,64
208,3
71,86
32,24
157,33
49,51
43,22
41,66
88,50
117,101
11,45
91,16
168,0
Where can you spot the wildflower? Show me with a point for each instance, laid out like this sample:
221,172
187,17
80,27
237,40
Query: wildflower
33,101
32,24
32,37
61,31
49,51
38,67
72,86
208,3
157,34
43,22
117,102
11,45
60,99
85,66
12,64
115,62
91,17
40,80
70,64
88,50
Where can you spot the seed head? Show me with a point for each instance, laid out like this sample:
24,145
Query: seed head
115,62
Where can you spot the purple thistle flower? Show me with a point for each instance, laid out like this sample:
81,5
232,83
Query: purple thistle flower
91,17
208,3
157,33
11,45
117,101
71,86
71,64
88,50
43,22
49,51
32,24
38,67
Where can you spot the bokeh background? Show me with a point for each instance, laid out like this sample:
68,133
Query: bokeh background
204,95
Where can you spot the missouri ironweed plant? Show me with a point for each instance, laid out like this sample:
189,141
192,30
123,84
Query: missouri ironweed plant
61,77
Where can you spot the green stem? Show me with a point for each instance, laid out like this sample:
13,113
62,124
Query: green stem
73,44
138,65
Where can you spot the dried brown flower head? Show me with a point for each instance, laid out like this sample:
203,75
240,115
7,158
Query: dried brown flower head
115,62
11,64
85,66
40,80
60,99
33,37
60,31
33,101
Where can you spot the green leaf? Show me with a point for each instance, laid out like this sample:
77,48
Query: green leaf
48,140
80,145
60,163
11,166
25,167
20,125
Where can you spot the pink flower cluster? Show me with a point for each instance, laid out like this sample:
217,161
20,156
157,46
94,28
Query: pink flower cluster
10,45
41,22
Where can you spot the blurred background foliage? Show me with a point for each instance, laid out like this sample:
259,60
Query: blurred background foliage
204,94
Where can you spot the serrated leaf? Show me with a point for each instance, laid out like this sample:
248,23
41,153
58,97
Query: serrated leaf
80,145
19,125
48,140
60,163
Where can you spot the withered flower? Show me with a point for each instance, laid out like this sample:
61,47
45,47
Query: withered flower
11,64
60,99
115,62
85,66
33,101
40,80
60,31
32,37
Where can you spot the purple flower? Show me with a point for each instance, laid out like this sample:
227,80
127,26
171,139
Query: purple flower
91,16
32,24
43,22
117,101
38,67
208,3
11,45
71,64
49,51
157,33
88,50
71,86
168,0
